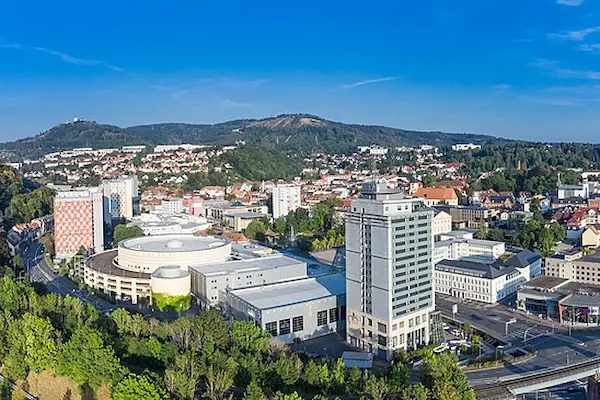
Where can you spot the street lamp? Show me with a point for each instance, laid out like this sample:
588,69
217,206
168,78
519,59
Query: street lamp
510,321
525,335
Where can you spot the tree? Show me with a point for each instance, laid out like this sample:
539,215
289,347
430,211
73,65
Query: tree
255,230
253,392
142,387
220,375
415,392
87,360
482,231
443,390
376,388
287,370
182,377
18,261
5,254
123,320
291,396
354,381
215,329
546,242
139,326
40,346
5,390
122,232
467,328
496,235
249,337
399,377
13,299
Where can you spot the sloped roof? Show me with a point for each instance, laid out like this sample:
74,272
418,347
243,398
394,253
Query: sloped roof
490,271
437,193
522,259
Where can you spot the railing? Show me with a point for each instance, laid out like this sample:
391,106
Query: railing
504,387
14,387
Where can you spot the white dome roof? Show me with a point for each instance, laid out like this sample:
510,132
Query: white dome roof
174,244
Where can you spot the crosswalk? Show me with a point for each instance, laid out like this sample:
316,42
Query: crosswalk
528,333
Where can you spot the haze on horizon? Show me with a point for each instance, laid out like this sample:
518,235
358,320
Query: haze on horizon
426,65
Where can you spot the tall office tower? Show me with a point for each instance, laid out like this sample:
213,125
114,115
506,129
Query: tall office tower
78,221
286,198
123,195
389,271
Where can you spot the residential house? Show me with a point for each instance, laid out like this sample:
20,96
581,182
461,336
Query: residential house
590,237
435,195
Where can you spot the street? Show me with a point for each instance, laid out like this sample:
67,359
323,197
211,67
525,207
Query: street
554,345
41,272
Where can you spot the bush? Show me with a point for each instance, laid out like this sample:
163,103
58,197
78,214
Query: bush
165,302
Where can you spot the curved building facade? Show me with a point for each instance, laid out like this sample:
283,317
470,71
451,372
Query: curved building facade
147,253
171,280
156,264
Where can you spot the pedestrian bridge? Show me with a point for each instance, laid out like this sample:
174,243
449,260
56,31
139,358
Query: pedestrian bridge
508,387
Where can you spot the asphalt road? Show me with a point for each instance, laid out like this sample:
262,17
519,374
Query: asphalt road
554,345
41,272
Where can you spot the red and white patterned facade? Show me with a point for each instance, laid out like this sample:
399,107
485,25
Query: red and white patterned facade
78,221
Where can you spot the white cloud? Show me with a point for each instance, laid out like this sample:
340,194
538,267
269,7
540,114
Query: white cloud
571,3
368,82
67,58
578,35
589,47
554,68
228,103
501,88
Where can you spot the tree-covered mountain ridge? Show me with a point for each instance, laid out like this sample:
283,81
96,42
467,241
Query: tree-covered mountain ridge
289,132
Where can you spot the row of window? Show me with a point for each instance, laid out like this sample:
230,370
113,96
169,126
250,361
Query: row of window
284,326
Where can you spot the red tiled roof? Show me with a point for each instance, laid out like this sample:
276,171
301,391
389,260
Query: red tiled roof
437,193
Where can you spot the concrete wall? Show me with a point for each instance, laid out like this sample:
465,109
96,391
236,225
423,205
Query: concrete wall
241,310
209,289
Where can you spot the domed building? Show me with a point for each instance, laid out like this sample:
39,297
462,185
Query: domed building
153,264
247,281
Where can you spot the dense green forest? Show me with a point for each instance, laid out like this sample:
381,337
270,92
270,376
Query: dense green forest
288,133
537,180
525,155
192,357
258,163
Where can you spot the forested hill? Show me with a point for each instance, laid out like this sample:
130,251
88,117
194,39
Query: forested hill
298,133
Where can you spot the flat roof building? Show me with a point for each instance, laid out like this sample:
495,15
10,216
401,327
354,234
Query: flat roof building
299,309
79,221
487,283
389,271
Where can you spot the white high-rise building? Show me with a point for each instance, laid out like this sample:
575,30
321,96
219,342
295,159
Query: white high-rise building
124,197
286,198
389,271
171,206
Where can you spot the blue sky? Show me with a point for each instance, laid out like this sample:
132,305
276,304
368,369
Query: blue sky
515,68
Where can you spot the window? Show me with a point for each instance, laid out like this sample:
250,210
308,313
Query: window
284,326
370,322
333,315
298,323
381,327
401,338
382,340
322,318
271,327
343,313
